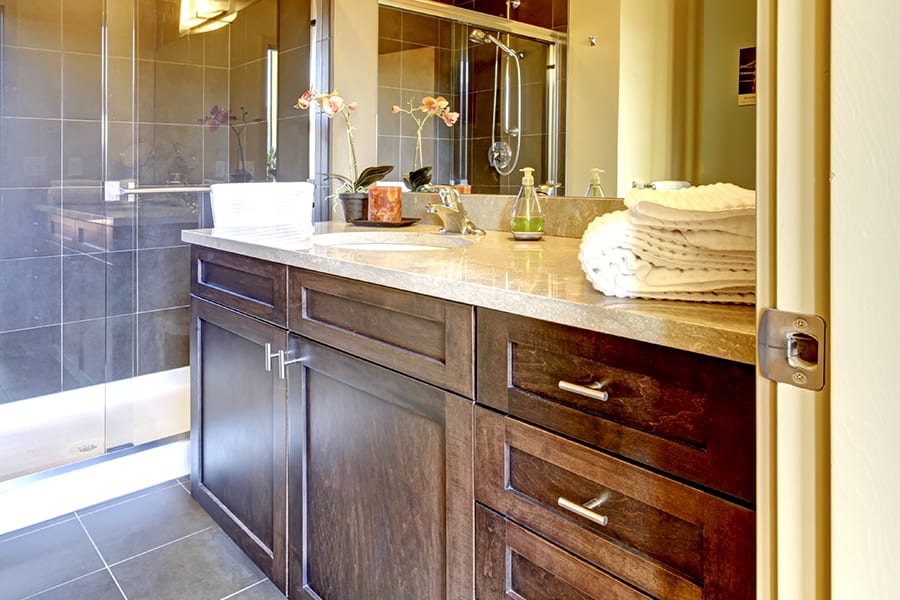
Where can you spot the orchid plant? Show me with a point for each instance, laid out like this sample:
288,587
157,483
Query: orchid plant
332,104
420,176
219,116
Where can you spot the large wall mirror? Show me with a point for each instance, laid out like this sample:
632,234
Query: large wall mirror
646,90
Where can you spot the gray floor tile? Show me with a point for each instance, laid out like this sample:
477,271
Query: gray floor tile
145,522
44,558
32,528
264,590
205,566
127,497
98,586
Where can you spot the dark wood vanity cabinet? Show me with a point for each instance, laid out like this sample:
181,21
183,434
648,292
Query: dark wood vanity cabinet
613,463
381,450
335,437
239,403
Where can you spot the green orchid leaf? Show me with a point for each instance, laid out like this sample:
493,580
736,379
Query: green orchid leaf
370,175
419,179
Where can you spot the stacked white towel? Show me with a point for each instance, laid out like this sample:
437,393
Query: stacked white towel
695,243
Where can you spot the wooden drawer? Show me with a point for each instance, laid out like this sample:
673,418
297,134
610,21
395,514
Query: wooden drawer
680,412
662,536
253,286
427,338
512,560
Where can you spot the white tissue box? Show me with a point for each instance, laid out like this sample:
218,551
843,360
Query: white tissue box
261,203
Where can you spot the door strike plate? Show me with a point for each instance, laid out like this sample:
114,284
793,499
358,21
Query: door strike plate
792,348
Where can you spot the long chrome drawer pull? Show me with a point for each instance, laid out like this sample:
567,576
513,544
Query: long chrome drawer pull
582,511
595,390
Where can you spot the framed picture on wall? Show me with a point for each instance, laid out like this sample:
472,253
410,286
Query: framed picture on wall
747,76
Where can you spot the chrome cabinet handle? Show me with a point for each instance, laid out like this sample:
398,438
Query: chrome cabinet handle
283,363
269,356
594,390
584,510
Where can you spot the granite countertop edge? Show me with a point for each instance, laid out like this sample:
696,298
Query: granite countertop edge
542,280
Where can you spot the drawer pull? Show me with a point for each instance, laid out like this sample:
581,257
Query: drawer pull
594,390
584,510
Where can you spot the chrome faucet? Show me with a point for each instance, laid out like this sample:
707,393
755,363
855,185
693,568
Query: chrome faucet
452,213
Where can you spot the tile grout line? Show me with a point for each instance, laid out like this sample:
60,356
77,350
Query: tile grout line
42,528
119,502
105,564
59,585
184,537
252,585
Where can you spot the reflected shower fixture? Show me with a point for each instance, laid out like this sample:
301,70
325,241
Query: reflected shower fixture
501,155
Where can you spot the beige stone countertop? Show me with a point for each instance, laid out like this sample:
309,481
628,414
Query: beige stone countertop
541,279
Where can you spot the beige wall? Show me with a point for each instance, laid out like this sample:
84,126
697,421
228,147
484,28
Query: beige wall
657,97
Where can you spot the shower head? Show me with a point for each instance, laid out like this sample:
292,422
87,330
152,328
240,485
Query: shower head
481,37
478,36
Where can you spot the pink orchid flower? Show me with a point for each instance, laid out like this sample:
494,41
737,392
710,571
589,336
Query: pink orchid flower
450,118
304,101
332,105
434,106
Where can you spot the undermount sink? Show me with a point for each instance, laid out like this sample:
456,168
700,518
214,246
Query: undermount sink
390,241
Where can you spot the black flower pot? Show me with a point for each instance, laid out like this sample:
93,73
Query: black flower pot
355,205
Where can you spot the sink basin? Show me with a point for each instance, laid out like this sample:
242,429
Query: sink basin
389,241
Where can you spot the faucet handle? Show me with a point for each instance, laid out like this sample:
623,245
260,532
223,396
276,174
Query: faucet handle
449,196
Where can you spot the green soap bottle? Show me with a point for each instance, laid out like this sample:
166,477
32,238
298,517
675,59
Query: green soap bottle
527,220
595,190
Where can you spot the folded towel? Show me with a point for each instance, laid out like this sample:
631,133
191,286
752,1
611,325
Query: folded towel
669,248
721,207
624,260
702,202
618,273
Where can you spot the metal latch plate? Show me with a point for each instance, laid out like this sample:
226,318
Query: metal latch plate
792,348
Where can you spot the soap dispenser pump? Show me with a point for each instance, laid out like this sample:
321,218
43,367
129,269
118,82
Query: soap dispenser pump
527,220
595,190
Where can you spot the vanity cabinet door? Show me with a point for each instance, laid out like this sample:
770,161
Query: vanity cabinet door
238,426
380,482
662,536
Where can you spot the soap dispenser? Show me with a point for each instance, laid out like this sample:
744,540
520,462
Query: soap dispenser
527,220
595,190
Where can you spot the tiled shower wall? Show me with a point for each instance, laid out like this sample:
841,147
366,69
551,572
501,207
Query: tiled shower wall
414,61
94,291
417,57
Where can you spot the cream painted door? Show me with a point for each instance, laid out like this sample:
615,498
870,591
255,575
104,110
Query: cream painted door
828,244
865,281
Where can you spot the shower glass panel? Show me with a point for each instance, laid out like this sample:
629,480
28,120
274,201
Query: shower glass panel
94,285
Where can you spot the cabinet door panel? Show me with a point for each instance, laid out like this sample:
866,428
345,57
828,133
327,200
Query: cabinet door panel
380,482
676,411
238,423
662,536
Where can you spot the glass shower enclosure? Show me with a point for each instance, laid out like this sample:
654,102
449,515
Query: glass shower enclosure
100,95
